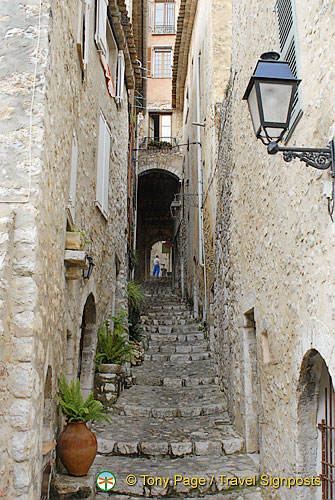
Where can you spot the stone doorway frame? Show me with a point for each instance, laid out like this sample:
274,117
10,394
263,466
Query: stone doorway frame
88,341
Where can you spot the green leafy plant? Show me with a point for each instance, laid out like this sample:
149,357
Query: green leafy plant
113,346
133,259
73,405
136,297
74,230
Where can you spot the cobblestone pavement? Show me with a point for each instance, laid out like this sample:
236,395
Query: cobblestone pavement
170,430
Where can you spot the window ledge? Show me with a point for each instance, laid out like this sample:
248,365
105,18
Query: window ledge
103,213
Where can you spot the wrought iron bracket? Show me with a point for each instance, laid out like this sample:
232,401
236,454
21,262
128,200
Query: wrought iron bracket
320,158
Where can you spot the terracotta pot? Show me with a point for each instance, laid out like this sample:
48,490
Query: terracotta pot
77,447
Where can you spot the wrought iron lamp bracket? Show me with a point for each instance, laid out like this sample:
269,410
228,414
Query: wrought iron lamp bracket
320,158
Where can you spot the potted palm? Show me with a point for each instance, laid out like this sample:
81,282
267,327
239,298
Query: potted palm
77,445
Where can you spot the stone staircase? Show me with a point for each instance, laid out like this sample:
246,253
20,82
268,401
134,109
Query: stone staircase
171,430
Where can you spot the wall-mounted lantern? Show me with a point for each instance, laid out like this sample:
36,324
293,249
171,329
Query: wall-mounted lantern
87,272
270,95
175,207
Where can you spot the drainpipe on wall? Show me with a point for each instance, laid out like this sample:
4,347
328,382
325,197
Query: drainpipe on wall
136,190
201,244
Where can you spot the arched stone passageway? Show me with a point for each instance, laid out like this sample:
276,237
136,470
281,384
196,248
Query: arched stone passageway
156,190
316,406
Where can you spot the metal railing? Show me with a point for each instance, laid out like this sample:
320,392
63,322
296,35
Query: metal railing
164,29
159,144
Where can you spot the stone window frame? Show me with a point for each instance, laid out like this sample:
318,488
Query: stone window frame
103,162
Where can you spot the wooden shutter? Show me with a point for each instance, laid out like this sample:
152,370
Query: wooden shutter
287,36
103,166
149,62
100,166
73,176
106,169
86,26
101,25
120,76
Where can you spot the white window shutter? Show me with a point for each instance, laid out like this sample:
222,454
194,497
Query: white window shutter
100,167
87,29
101,25
120,76
106,170
103,166
73,176
287,36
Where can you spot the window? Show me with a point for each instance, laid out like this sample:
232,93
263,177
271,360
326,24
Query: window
162,63
73,177
160,126
103,166
83,32
287,35
101,24
164,18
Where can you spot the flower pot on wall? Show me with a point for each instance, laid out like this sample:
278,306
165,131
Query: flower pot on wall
77,447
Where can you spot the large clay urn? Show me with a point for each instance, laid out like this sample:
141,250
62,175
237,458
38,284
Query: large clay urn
77,447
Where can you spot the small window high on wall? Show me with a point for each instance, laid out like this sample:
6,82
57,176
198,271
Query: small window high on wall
164,18
160,126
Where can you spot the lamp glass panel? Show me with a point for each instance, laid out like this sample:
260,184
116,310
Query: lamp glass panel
253,108
276,100
274,133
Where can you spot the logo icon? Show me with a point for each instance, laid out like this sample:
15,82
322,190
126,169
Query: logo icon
105,480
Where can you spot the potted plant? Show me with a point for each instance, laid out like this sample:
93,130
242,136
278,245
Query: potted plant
77,445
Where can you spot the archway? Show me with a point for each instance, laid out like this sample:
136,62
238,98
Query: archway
316,414
87,346
156,190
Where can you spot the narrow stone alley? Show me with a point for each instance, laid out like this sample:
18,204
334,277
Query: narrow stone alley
173,421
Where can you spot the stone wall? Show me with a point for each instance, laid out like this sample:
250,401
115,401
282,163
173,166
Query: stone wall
45,98
275,245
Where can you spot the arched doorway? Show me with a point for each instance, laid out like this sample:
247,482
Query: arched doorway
156,190
316,433
87,346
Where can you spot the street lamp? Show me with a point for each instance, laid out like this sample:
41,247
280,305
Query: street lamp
87,272
270,94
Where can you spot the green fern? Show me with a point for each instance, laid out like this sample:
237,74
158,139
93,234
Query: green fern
73,406
136,297
113,346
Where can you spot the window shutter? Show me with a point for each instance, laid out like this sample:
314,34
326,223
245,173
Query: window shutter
86,32
101,25
100,168
106,170
151,8
120,76
149,62
103,166
73,176
287,35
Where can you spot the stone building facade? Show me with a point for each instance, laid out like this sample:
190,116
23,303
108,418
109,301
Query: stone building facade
200,75
274,312
64,154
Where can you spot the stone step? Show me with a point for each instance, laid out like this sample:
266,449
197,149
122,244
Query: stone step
178,358
162,402
173,329
181,475
182,348
174,337
168,374
172,436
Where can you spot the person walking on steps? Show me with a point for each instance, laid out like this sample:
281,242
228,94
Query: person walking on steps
156,267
